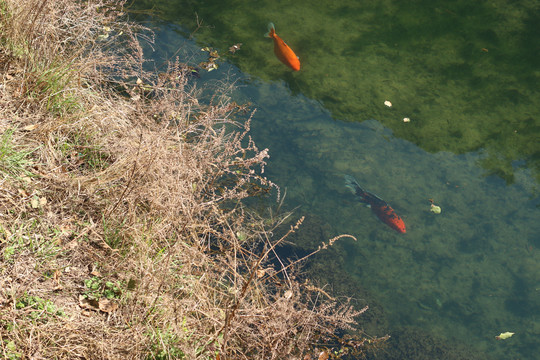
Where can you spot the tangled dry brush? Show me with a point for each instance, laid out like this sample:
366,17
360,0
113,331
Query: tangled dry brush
122,232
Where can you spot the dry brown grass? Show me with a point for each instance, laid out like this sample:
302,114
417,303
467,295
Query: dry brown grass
122,231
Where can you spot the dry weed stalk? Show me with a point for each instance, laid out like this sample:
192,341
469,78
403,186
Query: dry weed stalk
133,191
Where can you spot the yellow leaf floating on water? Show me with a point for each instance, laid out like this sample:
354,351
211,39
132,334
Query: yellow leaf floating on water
504,335
435,209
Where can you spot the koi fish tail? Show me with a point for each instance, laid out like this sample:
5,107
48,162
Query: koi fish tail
353,185
271,30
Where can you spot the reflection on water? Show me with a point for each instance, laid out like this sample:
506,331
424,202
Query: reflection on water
466,274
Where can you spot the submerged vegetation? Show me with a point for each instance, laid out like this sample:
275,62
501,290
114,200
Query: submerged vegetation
122,229
465,74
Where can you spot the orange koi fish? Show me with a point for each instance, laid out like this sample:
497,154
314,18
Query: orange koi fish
380,207
283,52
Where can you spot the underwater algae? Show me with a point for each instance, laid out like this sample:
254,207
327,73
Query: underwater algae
452,274
465,73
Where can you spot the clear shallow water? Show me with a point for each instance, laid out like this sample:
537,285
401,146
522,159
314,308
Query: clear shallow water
464,275
466,73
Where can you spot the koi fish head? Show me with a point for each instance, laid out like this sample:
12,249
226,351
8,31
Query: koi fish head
390,218
398,225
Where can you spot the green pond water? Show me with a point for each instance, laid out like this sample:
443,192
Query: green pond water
466,75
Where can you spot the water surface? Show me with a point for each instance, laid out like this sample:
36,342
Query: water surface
466,75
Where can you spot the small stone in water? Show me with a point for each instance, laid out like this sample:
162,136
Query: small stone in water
388,103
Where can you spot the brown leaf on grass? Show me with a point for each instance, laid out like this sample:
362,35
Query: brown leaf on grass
107,305
37,202
95,273
71,245
88,304
56,278
324,355
260,273
29,127
23,192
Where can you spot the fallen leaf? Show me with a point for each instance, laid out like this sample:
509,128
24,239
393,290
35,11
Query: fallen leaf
107,305
235,48
34,202
23,192
260,273
288,294
88,304
504,335
324,355
71,245
29,127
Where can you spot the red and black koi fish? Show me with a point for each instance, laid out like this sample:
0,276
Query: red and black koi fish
378,205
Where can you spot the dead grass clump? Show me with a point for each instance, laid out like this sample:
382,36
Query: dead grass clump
122,229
